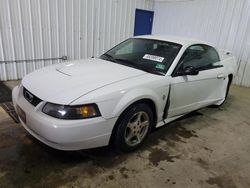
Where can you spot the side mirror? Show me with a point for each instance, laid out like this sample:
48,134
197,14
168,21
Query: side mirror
190,70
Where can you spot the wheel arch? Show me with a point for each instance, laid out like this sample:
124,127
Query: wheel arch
146,101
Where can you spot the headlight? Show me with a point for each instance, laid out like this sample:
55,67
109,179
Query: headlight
71,112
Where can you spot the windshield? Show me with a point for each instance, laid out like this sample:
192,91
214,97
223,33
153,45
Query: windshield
149,55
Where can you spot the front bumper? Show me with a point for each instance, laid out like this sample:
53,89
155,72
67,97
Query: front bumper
63,134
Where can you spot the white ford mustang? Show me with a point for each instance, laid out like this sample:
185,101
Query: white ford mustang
142,83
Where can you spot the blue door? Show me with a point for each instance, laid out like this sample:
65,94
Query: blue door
143,22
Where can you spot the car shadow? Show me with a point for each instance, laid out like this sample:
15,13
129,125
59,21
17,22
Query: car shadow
172,128
26,161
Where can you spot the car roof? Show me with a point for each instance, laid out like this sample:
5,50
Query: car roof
175,39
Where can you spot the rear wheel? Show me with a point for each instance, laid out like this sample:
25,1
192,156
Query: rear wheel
133,127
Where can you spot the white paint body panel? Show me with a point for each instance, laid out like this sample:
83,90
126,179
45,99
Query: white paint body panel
113,87
64,83
61,134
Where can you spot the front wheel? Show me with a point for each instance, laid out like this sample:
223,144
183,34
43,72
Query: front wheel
133,127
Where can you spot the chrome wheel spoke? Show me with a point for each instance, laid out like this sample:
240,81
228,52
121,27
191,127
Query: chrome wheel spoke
138,138
144,124
139,115
129,136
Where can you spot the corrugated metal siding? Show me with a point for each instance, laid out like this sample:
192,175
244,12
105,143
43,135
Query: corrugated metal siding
224,23
39,29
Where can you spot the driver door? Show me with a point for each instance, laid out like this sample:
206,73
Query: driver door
191,92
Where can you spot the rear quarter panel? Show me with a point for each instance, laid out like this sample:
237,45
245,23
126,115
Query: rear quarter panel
229,62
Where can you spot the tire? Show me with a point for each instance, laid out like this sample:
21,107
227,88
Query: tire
133,127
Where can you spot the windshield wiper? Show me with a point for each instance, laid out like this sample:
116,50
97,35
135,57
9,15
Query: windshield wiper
132,64
109,57
117,60
127,62
139,66
144,68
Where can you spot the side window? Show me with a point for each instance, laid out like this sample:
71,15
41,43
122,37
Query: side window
202,57
213,55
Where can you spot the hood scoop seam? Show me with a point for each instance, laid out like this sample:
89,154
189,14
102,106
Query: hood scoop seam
63,72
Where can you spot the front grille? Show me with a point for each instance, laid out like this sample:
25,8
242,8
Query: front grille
31,98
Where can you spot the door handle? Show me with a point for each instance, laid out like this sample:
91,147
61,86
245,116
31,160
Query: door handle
221,76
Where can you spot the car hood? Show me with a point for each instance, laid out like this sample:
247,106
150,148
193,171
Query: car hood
64,83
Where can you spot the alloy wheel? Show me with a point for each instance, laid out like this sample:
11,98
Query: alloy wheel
137,128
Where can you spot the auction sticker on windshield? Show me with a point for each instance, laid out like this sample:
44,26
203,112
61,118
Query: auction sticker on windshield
153,58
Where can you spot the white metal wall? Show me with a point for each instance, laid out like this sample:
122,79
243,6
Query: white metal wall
39,29
224,23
